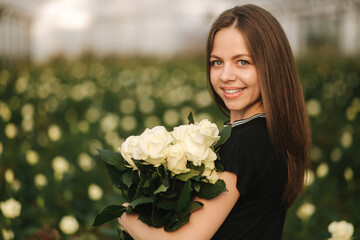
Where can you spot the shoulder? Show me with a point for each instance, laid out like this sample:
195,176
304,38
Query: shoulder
250,135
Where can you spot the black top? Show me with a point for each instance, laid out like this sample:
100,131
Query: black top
261,178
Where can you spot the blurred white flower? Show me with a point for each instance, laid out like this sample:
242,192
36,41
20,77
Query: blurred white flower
127,106
54,132
7,234
5,112
203,99
335,154
146,105
60,165
85,162
109,122
346,139
27,125
112,138
79,70
152,121
305,211
69,225
42,139
95,192
171,117
9,175
309,177
341,230
83,126
15,185
348,174
40,180
21,84
32,157
27,111
93,145
10,208
10,130
313,107
128,123
322,170
92,114
315,153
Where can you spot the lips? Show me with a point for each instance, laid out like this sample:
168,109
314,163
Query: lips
232,93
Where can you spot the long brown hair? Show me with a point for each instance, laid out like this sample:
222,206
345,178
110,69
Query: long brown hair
280,87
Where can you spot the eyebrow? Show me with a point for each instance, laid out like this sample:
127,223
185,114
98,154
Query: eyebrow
234,57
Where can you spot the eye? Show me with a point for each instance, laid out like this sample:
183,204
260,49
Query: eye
216,63
243,62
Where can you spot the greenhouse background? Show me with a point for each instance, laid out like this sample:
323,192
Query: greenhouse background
80,75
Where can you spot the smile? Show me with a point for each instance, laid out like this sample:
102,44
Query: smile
232,91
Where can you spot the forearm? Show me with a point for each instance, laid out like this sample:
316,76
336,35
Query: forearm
142,231
203,224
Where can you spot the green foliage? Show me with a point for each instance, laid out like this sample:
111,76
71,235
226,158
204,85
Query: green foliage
70,109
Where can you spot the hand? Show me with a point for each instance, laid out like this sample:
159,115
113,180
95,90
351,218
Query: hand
122,219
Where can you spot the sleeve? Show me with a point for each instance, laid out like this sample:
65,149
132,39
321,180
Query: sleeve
249,160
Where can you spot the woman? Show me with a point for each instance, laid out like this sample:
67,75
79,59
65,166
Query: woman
253,79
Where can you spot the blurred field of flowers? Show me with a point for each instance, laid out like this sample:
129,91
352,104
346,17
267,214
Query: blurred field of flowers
54,117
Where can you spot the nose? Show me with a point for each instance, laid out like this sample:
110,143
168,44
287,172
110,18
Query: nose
227,73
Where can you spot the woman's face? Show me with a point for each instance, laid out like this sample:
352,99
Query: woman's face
233,74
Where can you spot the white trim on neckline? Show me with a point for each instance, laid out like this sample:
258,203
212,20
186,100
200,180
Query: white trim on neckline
242,121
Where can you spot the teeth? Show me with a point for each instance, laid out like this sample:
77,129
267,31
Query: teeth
233,91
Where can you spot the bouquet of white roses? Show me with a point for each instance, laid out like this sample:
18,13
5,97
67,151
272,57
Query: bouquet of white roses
159,173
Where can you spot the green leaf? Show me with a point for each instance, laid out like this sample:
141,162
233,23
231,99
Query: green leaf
122,235
141,166
218,166
160,189
194,205
209,190
224,135
162,170
185,197
113,158
196,186
108,213
186,176
191,118
141,200
178,224
166,204
127,178
115,176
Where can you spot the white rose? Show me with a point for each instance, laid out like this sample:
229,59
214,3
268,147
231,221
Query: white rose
192,141
210,172
10,208
341,230
154,143
176,159
210,131
213,177
130,149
